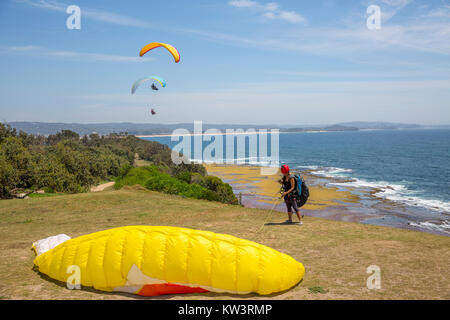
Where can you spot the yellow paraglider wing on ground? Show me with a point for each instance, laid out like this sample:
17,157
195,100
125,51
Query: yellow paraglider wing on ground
130,258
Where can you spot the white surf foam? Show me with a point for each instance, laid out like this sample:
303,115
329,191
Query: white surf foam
254,161
386,190
442,227
406,197
398,193
331,172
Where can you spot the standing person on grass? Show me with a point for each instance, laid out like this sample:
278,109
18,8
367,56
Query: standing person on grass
290,194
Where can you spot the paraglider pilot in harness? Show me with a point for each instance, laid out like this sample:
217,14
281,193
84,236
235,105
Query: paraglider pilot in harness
154,87
289,193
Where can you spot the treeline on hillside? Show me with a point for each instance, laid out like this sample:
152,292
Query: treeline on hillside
65,162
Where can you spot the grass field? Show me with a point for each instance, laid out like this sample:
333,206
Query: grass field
336,255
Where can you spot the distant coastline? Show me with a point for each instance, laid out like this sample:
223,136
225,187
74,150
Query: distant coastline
221,134
161,130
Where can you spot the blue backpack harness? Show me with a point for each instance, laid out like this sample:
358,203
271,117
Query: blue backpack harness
301,191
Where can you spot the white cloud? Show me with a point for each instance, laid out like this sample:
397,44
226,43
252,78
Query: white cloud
45,4
424,34
40,51
94,56
291,16
269,15
103,16
389,8
394,6
419,71
273,6
396,3
353,41
443,12
24,48
243,3
114,18
270,11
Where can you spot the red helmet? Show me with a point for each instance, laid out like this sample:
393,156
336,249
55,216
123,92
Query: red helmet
284,168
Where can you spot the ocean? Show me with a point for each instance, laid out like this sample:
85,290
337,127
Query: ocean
408,168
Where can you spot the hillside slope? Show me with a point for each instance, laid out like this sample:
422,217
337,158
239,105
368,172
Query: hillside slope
335,254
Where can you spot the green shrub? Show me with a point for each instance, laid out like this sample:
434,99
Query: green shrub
135,176
124,170
154,178
222,190
184,176
49,190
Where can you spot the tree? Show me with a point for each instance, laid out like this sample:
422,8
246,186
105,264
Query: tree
8,178
19,158
6,131
63,135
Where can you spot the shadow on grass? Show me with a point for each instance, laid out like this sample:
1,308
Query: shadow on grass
282,224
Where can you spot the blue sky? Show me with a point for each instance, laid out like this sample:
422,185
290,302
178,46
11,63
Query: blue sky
242,61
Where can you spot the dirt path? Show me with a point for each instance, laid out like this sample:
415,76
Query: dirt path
102,186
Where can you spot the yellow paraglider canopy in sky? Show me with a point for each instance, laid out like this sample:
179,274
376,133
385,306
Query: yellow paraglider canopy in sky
153,45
